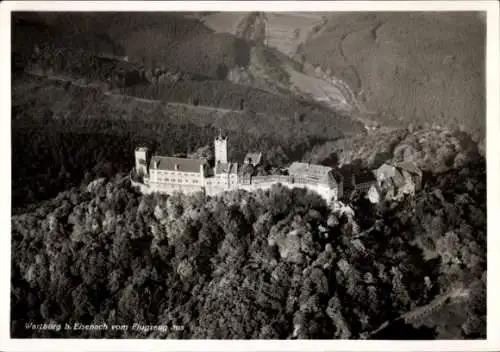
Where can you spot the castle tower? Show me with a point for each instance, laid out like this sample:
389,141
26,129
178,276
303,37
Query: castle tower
220,145
141,160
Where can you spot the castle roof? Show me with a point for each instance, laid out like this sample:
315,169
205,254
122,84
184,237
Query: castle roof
409,166
336,176
308,170
176,164
388,171
220,137
254,157
230,168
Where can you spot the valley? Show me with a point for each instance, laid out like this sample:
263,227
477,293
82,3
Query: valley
394,255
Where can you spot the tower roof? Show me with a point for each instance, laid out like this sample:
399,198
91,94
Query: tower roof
220,136
308,170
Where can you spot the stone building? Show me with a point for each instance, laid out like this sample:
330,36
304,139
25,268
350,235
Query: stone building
225,177
323,179
167,174
220,146
398,179
253,158
141,160
411,172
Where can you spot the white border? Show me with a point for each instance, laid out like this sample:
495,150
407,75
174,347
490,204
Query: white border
493,153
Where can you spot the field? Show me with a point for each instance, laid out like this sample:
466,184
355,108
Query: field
277,63
223,22
284,31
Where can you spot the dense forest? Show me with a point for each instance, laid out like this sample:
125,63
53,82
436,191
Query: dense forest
435,55
281,263
76,156
168,41
431,66
432,150
273,264
84,137
317,119
80,131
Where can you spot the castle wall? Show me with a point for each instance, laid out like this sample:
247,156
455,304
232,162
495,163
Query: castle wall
221,183
271,179
145,189
212,190
171,188
176,177
171,181
325,192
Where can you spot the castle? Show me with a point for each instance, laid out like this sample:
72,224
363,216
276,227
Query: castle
168,174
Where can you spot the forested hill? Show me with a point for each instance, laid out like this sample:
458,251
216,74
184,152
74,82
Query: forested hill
415,67
83,132
274,264
398,68
271,264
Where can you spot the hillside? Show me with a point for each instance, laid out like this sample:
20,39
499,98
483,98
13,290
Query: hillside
432,150
395,68
30,29
190,108
278,263
410,68
180,42
60,124
171,41
273,60
273,264
283,31
155,39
